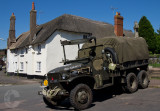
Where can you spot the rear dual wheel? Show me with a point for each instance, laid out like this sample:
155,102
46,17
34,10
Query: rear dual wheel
131,83
143,80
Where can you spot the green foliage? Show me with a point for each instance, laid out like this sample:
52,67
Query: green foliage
157,43
158,31
147,32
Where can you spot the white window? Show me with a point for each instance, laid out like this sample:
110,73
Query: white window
22,53
26,50
39,48
16,51
16,66
21,65
38,66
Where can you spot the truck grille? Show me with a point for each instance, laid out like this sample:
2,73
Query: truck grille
53,79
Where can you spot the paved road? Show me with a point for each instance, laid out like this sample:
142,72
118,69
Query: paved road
25,98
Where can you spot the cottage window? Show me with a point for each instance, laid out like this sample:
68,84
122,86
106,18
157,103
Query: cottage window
38,66
22,51
21,63
26,50
16,51
16,65
39,49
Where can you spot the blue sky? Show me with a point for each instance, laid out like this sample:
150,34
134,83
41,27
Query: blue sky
100,10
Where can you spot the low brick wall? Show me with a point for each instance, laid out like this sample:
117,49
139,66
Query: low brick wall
155,75
154,71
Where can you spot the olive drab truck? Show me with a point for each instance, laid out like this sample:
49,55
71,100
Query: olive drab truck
100,63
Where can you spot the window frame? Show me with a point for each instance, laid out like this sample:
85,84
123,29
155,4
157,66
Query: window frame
21,66
39,66
39,48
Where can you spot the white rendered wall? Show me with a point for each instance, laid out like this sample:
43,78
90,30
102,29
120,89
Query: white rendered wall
39,57
12,59
51,55
9,61
54,49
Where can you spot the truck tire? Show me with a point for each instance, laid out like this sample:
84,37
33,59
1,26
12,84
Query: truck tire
143,80
132,83
51,103
113,54
81,97
47,102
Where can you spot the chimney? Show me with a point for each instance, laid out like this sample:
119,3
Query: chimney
118,24
12,37
33,13
136,27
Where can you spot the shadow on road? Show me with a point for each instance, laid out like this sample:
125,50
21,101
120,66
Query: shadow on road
98,96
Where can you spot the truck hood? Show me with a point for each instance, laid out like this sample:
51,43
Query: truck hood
67,67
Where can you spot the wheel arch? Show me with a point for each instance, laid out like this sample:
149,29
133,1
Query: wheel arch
88,80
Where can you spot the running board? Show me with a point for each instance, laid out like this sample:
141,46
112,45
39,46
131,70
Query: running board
107,85
104,86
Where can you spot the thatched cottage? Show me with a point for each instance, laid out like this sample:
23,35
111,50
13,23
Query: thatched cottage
37,51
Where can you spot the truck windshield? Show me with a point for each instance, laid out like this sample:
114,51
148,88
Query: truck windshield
78,42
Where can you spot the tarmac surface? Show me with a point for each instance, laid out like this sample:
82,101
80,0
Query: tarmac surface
21,94
25,98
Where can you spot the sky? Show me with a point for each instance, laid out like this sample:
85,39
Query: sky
99,10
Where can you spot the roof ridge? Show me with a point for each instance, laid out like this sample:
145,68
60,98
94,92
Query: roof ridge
87,19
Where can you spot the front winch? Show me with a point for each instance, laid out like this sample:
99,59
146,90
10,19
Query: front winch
51,92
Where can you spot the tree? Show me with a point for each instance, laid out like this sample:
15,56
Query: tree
157,35
147,32
158,31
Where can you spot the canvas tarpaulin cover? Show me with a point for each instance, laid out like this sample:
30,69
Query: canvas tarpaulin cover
126,48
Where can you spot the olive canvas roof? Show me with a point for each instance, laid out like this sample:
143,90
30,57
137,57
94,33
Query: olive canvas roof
126,48
69,23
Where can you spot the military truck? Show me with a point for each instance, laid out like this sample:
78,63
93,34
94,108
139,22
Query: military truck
100,63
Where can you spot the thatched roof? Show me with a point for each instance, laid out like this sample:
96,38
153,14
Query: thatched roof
20,40
69,23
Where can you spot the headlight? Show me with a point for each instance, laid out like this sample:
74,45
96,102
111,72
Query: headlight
45,82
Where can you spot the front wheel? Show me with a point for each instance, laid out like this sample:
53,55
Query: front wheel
81,97
48,102
51,102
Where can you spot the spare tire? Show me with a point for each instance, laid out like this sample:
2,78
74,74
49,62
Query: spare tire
113,54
